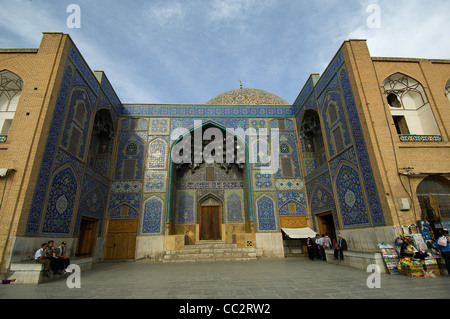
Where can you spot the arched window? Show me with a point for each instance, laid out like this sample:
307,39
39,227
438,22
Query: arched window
312,143
447,89
409,106
10,90
102,141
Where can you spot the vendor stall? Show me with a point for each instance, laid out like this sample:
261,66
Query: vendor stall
414,254
295,240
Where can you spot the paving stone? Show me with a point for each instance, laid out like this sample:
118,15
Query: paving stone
297,278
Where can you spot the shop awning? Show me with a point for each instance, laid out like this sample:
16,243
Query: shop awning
299,233
3,172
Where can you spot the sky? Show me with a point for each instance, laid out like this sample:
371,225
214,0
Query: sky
189,51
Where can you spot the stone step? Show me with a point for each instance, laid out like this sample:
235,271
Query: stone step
210,250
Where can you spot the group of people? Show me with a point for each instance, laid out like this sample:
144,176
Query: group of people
53,258
316,247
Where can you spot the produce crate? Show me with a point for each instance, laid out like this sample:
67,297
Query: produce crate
413,271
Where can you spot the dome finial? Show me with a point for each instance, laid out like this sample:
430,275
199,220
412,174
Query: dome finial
240,83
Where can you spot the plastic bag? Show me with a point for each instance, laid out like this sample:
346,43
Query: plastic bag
442,241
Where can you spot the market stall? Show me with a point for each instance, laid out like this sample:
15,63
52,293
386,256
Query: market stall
414,253
295,240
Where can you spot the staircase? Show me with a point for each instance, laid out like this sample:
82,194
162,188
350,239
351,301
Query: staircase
210,251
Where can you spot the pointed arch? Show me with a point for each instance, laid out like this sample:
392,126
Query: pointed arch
61,201
267,221
312,142
409,106
11,86
152,216
182,135
157,153
292,207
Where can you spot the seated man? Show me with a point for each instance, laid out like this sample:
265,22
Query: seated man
39,257
64,260
50,253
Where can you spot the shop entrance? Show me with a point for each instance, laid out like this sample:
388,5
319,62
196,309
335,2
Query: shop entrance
210,222
326,224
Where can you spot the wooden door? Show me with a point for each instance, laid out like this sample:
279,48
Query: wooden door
210,222
86,237
326,224
121,239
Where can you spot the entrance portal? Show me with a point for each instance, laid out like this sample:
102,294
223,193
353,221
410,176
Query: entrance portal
326,224
86,238
210,222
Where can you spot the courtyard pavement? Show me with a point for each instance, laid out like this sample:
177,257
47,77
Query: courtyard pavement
289,278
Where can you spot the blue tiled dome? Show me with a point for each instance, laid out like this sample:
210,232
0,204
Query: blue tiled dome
246,96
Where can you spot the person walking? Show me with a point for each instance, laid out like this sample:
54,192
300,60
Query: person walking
341,246
443,243
317,246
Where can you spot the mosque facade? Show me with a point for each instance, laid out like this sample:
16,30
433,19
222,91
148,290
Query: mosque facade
362,152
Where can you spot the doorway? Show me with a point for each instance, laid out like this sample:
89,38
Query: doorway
326,224
121,239
86,237
210,222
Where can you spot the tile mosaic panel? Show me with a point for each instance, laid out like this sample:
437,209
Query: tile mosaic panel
126,187
35,214
287,125
78,95
351,197
185,208
165,110
334,97
284,197
288,141
235,206
117,213
123,153
210,185
257,124
292,208
61,202
157,154
131,199
82,67
266,214
361,151
152,219
262,181
289,184
159,126
155,181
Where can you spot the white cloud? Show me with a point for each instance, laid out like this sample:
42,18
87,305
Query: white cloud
414,29
167,15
